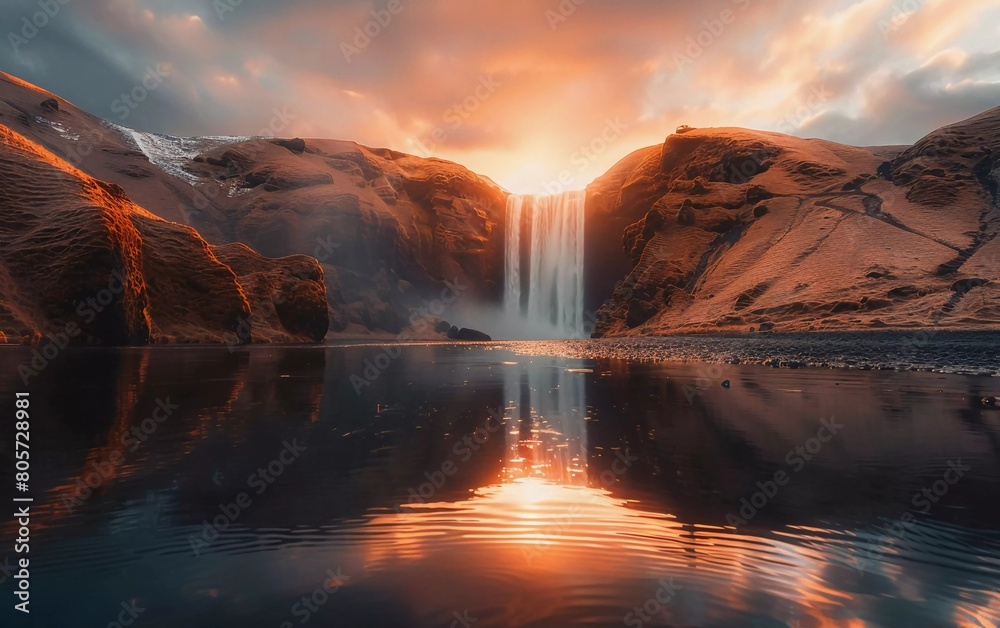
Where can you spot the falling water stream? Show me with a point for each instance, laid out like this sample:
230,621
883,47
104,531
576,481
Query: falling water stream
547,232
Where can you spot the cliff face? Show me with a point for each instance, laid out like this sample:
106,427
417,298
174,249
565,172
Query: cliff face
721,230
389,229
80,263
736,230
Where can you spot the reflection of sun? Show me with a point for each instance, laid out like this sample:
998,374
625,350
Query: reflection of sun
529,491
553,533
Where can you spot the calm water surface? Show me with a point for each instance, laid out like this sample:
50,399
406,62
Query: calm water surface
472,485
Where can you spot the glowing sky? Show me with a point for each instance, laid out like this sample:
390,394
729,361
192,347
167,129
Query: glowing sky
520,90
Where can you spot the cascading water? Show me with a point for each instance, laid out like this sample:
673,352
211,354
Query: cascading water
554,226
512,259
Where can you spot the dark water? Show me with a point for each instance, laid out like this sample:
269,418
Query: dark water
608,492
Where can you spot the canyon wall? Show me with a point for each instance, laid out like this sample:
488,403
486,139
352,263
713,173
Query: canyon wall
391,231
733,230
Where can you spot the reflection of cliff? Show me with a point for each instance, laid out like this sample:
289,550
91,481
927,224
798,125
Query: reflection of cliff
143,415
376,450
706,455
535,499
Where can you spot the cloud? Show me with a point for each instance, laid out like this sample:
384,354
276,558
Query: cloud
901,107
392,72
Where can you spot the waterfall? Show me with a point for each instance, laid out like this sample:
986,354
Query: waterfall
512,258
554,226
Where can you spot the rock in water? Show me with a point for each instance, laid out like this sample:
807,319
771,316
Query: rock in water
472,335
442,327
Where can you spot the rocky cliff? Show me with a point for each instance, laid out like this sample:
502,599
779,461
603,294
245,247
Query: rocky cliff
720,230
80,263
392,230
389,229
733,230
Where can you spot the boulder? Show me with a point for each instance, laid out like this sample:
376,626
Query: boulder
472,335
442,327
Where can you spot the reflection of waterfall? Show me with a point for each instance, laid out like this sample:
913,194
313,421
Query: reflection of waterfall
547,434
551,227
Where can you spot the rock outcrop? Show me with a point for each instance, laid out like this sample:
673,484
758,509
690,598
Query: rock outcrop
81,264
735,230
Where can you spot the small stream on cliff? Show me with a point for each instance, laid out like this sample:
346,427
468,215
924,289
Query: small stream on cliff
506,485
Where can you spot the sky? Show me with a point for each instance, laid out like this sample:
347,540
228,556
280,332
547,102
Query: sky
539,95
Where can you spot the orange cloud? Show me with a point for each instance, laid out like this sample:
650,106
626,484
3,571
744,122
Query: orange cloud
560,73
